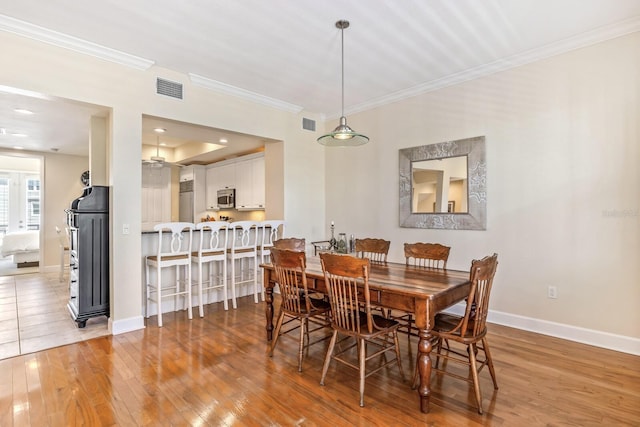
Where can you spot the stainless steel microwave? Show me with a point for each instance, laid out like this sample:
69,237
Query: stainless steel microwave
227,198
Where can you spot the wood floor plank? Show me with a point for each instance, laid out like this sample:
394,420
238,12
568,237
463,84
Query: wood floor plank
215,371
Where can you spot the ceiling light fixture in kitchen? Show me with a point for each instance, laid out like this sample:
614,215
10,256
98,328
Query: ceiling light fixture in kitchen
343,135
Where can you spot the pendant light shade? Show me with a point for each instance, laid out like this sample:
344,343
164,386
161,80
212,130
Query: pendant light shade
343,135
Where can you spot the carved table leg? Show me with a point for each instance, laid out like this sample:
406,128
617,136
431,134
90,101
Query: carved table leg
269,303
424,367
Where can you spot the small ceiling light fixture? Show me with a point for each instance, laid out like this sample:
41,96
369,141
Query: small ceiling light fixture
343,135
23,111
19,135
223,141
159,130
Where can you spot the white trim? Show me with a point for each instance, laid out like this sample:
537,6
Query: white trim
243,94
598,35
65,41
126,325
601,339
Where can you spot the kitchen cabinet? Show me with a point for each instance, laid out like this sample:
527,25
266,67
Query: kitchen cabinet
186,173
245,174
250,183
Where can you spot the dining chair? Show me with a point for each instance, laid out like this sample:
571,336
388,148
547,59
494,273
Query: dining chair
427,255
63,244
469,330
347,280
296,302
244,247
291,243
374,249
211,252
174,250
430,255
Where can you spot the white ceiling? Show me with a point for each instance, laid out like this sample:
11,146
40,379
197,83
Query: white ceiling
288,51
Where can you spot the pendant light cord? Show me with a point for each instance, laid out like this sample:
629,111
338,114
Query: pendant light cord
342,40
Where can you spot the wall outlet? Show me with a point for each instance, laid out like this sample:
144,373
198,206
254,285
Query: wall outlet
125,228
552,292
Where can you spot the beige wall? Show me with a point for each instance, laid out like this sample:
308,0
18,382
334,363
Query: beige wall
563,155
562,152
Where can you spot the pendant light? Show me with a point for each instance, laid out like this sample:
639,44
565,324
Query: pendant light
343,135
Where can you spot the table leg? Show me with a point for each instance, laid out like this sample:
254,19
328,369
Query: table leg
268,311
424,368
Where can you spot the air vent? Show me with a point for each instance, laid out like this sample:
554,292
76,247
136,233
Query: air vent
308,124
168,88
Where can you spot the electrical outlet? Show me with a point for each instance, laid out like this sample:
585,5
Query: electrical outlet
125,228
552,292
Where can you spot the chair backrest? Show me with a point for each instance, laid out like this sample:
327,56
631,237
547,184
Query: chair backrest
374,249
291,243
475,316
63,238
290,274
174,239
347,280
244,236
213,239
432,255
272,230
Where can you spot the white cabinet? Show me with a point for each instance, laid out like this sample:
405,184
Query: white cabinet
246,175
250,183
187,173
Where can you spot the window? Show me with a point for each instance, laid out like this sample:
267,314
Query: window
4,204
33,203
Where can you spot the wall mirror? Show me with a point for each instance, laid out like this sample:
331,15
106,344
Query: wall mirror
443,186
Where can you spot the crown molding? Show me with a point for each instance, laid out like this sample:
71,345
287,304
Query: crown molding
243,93
55,38
598,35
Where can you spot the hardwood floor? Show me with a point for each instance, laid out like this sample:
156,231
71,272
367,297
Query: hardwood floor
34,316
215,371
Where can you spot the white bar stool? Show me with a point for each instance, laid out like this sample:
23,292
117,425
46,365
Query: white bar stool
212,250
63,243
174,250
244,238
272,230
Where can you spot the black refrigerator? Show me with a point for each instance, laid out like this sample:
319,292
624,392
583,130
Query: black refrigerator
88,222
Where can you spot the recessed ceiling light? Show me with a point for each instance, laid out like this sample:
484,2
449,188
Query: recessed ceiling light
159,130
23,111
19,135
17,147
223,141
163,144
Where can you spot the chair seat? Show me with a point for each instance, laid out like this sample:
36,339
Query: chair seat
445,322
168,257
207,254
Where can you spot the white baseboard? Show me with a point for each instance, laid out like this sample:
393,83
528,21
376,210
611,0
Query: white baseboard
601,339
126,325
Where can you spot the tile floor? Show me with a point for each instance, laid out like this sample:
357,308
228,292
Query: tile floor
34,316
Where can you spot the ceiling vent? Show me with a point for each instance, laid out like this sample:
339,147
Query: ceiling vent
308,124
168,88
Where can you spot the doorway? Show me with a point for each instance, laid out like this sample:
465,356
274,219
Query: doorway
20,219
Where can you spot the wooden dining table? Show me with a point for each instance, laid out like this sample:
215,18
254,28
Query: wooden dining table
417,290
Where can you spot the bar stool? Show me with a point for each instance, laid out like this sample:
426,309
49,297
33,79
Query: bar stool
63,243
244,239
174,250
212,250
271,231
